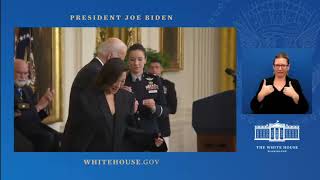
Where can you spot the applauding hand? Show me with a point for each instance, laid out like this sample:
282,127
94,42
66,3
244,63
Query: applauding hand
45,99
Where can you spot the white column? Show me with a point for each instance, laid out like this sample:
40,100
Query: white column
255,133
198,79
70,63
150,38
78,46
269,133
87,44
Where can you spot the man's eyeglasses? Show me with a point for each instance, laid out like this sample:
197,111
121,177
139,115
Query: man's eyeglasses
280,65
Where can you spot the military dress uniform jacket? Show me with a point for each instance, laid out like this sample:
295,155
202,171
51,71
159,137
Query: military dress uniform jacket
149,87
171,98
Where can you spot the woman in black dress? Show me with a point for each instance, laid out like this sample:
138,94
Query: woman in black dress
104,112
105,120
279,94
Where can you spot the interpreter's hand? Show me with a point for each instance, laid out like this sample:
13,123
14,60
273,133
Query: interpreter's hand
127,88
149,103
136,105
265,90
45,99
290,92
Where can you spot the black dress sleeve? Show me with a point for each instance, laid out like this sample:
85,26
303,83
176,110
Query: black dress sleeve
302,106
255,104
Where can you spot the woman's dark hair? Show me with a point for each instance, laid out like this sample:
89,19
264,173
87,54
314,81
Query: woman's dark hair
137,46
281,55
110,73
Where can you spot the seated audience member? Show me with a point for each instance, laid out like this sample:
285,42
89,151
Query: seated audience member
28,114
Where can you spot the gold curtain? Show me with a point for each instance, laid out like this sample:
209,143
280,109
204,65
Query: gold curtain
227,55
46,66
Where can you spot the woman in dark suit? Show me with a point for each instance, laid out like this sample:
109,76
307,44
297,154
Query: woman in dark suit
104,112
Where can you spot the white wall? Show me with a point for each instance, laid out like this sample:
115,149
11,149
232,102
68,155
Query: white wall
197,80
150,38
78,46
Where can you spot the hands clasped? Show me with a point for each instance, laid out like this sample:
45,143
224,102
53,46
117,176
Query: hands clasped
149,103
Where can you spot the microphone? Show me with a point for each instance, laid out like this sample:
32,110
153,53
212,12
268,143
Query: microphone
231,72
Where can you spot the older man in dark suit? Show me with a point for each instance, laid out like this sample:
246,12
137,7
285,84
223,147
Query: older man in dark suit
30,133
111,48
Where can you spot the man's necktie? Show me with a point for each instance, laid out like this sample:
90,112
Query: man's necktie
20,94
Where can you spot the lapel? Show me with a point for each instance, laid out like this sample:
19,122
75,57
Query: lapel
119,107
16,94
105,110
128,80
97,63
27,97
144,82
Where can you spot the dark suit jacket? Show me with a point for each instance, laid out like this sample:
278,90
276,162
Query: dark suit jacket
30,98
29,125
93,128
171,97
21,142
87,74
85,78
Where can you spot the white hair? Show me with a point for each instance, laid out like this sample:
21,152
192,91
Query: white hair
111,46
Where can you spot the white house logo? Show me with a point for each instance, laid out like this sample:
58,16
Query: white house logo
276,132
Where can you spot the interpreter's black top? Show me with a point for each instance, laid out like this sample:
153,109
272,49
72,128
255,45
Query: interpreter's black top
277,102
